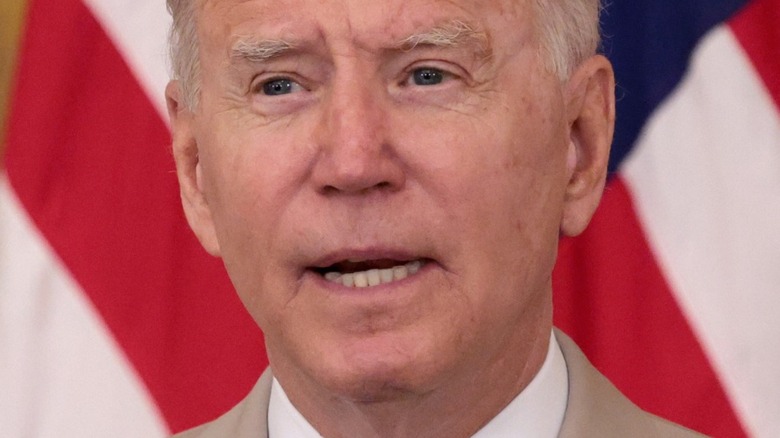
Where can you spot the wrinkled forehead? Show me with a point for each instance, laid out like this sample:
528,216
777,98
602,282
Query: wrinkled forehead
367,22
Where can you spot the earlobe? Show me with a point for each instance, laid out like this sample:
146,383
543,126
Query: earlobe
188,170
590,99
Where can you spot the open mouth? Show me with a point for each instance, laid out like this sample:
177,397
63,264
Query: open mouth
367,273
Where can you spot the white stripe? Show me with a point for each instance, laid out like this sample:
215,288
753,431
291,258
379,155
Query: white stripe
139,29
61,373
706,182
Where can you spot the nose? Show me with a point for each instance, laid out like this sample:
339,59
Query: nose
357,155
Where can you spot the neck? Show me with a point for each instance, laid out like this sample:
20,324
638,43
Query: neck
459,408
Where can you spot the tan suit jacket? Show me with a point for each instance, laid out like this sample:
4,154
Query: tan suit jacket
595,408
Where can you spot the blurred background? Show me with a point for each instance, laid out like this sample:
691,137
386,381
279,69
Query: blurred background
114,322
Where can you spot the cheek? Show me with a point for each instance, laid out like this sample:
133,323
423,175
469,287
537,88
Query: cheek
250,170
514,176
247,187
505,198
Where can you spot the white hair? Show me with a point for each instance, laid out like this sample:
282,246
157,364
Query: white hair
568,32
183,46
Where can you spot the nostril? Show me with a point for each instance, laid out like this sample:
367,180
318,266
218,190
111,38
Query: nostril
329,190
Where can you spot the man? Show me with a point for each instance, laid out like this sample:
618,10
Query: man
386,182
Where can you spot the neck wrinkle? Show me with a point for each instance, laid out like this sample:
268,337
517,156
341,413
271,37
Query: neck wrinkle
458,411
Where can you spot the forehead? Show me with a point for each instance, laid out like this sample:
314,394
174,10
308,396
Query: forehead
366,23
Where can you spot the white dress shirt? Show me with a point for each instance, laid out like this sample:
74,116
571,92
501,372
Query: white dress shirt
536,412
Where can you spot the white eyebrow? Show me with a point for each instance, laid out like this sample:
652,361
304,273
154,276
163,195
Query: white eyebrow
259,50
450,34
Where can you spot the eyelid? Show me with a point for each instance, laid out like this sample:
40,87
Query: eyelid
259,80
449,70
278,105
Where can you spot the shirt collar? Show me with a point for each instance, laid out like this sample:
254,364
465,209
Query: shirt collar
536,412
283,419
539,409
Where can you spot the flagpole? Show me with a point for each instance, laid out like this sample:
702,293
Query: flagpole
11,18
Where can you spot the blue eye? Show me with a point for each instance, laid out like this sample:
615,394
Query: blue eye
278,87
427,76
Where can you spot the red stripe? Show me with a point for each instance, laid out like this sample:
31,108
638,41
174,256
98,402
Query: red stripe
89,158
611,297
757,27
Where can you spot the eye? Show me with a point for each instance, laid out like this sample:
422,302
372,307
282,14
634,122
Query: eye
427,76
278,87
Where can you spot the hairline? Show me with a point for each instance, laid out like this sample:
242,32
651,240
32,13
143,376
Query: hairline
555,33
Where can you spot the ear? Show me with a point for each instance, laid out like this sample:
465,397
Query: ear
590,100
188,169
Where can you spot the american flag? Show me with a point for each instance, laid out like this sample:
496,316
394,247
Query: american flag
114,322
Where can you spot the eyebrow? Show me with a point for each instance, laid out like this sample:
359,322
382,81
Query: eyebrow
259,50
450,34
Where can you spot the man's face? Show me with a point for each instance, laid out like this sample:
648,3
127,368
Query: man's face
331,152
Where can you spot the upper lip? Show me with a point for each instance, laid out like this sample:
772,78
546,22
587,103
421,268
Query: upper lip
363,255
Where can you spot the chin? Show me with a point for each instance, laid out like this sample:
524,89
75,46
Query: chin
377,389
380,385
382,369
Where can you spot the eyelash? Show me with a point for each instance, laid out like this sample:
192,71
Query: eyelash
448,73
278,86
445,75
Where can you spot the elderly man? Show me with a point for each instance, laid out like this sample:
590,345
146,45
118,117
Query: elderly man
386,182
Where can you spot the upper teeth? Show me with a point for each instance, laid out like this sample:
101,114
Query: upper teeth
374,277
